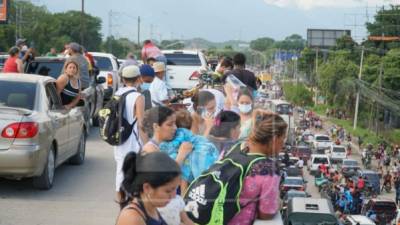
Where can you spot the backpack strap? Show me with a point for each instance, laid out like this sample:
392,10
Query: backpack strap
121,110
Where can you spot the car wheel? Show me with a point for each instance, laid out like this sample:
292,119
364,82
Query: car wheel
45,181
79,157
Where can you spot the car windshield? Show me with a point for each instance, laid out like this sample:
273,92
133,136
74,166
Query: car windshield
320,160
284,109
350,163
103,63
296,194
322,138
339,149
51,68
372,177
293,182
17,94
180,59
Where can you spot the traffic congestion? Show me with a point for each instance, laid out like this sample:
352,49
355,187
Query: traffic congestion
190,145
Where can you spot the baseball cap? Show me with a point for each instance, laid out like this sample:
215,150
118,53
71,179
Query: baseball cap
146,70
75,47
20,41
159,67
131,71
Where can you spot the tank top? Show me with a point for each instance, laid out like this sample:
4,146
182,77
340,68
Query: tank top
69,92
10,66
148,219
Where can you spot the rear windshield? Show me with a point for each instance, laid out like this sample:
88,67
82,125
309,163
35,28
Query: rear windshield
103,63
372,177
293,182
312,219
319,160
284,109
180,59
339,150
350,163
322,138
304,150
53,68
17,94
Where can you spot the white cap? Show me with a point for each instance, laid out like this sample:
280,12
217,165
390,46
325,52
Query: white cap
131,71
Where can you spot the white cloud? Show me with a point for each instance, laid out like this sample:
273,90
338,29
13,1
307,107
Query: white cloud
309,4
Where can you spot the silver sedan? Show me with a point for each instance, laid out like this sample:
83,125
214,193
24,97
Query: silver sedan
37,132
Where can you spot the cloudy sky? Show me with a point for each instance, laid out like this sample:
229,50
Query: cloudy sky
221,20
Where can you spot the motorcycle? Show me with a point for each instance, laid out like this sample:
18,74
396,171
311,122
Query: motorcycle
388,187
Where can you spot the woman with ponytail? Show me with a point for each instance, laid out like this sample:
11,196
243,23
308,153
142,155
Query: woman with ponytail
150,181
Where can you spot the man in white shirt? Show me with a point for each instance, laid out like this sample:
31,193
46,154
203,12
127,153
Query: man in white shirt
300,163
158,88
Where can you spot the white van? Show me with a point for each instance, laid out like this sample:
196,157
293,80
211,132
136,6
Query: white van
316,160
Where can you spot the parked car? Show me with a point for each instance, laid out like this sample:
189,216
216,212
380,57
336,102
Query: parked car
183,68
371,178
321,143
349,167
37,132
316,160
358,220
53,67
385,209
309,211
108,66
338,153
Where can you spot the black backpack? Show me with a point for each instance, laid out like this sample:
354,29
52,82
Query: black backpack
213,198
114,128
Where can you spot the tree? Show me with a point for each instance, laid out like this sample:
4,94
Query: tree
262,44
292,42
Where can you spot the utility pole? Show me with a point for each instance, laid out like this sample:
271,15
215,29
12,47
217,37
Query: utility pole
82,21
316,74
110,25
16,21
151,31
139,30
358,92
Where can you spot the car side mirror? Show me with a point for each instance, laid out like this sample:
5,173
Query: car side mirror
100,80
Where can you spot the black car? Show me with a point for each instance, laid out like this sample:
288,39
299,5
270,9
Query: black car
371,178
53,66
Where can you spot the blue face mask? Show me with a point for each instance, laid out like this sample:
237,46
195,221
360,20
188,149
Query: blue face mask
145,86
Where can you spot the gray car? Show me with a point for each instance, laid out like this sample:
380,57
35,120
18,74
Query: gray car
37,132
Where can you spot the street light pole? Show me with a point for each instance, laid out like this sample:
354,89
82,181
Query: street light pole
82,20
358,92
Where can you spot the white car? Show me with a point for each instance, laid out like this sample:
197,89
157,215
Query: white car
183,68
321,143
358,219
338,153
316,160
108,66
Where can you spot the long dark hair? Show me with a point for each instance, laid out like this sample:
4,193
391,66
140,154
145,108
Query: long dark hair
225,121
156,115
156,169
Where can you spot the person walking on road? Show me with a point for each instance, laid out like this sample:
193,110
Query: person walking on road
150,182
134,111
13,64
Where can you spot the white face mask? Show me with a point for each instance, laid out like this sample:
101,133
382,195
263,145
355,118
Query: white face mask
206,114
245,108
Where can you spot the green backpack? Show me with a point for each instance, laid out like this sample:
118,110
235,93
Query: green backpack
213,198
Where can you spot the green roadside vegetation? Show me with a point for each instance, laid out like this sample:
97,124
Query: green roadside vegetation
368,136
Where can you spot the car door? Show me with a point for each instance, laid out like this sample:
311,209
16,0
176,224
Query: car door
59,121
76,121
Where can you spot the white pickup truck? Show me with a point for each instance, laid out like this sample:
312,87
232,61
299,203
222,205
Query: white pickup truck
322,143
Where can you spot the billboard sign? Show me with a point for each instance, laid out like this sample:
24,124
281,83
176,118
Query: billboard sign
324,38
4,11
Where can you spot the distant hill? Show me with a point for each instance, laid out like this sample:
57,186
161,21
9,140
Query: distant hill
200,43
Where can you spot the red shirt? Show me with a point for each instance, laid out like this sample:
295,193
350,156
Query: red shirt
10,66
150,51
360,183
